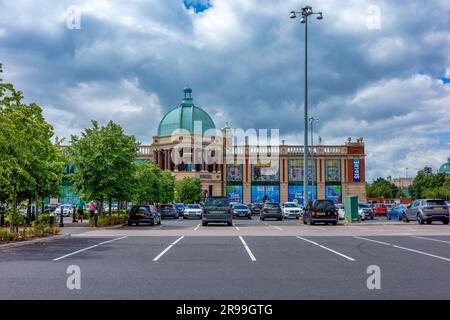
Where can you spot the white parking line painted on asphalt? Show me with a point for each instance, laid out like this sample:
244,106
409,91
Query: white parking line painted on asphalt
326,248
236,227
316,227
278,228
167,249
198,226
407,249
386,244
158,227
91,247
430,239
252,257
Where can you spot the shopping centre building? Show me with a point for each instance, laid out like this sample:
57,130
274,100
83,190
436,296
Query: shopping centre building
189,145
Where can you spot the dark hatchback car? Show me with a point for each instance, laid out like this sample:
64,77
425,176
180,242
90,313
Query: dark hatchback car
217,209
321,211
180,207
271,210
144,214
169,211
255,208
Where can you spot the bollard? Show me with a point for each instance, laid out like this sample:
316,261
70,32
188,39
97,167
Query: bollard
74,220
61,217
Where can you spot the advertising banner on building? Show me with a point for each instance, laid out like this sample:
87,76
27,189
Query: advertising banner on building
333,170
234,193
234,172
265,194
333,193
295,170
295,192
356,170
266,172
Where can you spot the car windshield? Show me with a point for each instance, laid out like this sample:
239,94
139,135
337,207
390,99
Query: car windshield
272,205
435,203
167,206
240,206
179,206
290,205
193,206
324,205
217,202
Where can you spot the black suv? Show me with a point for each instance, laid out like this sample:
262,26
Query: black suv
321,211
217,209
144,214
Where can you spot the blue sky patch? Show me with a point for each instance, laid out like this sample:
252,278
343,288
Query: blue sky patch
197,5
445,80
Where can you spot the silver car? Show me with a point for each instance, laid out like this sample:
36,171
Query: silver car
427,210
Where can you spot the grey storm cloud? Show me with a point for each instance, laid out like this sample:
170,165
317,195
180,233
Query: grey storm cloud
244,61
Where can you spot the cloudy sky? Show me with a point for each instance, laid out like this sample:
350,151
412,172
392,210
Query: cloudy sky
378,69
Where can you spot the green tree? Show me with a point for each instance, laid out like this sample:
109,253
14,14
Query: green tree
146,183
429,185
29,162
382,188
104,162
189,190
167,187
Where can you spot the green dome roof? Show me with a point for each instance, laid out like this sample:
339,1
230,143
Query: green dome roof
184,116
445,168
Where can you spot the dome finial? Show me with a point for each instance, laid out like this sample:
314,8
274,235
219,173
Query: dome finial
187,92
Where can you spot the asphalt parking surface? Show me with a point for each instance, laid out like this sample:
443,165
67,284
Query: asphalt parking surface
182,260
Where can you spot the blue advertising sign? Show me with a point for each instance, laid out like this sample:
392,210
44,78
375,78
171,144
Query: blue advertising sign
356,170
265,193
234,193
296,193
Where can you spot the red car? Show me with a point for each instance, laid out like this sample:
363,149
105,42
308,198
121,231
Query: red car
380,209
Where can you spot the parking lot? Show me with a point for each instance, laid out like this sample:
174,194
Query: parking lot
250,260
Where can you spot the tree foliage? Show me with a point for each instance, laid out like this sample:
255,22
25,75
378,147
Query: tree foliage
103,158
30,164
189,190
382,188
426,184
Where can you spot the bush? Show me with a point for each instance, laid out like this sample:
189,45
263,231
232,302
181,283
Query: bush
109,220
7,235
20,219
40,229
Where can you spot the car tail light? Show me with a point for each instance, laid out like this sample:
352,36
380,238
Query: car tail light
313,213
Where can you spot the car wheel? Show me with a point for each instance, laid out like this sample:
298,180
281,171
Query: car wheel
184,218
229,223
159,221
371,217
405,218
419,219
311,222
445,221
204,224
334,223
249,217
152,223
129,223
429,221
304,221
137,223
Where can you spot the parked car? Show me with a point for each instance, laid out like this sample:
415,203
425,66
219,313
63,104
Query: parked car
365,211
321,211
241,210
180,207
169,211
271,210
144,214
192,211
217,209
67,209
255,208
379,209
341,211
292,210
397,212
427,210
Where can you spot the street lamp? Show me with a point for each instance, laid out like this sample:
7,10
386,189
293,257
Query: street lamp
313,170
305,13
